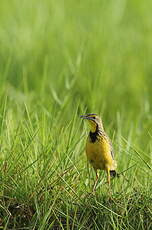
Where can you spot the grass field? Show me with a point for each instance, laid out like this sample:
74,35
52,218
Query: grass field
59,60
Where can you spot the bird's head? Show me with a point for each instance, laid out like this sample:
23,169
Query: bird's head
94,120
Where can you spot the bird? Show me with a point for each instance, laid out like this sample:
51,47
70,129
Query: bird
99,149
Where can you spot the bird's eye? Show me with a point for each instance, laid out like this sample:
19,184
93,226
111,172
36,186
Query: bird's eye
93,117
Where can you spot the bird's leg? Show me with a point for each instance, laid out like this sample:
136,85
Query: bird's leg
96,181
108,177
108,180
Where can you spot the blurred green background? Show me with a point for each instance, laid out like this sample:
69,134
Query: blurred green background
99,50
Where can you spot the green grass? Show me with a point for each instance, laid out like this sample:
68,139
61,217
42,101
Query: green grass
59,60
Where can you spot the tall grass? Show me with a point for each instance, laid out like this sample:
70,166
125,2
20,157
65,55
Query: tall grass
60,60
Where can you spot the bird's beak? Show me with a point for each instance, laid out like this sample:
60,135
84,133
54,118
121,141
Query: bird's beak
85,117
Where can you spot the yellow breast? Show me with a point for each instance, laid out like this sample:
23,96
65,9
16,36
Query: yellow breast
99,154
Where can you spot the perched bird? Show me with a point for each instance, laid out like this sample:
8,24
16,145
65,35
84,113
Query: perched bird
99,149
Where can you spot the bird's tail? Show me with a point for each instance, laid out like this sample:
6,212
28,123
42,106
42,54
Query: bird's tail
113,173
